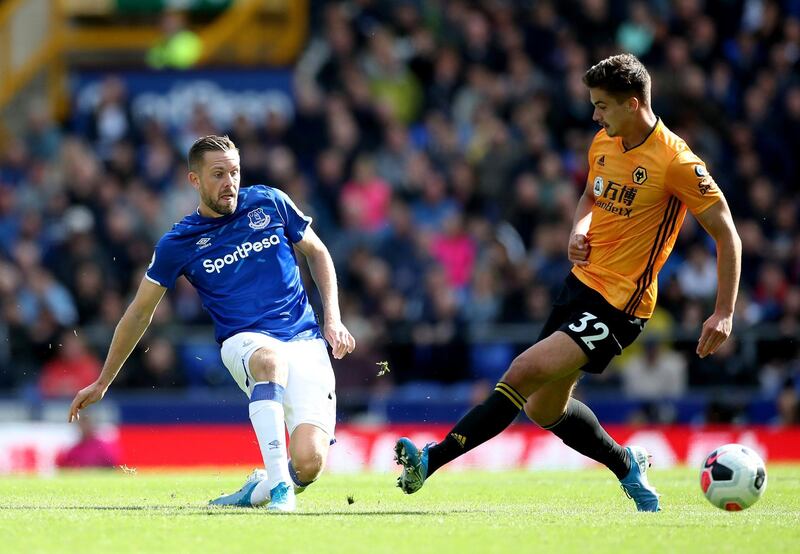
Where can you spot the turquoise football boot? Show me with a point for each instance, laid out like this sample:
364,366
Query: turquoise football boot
281,498
242,497
415,465
635,484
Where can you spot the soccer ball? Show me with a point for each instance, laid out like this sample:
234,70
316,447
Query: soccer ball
733,477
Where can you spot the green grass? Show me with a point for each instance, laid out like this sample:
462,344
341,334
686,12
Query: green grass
548,512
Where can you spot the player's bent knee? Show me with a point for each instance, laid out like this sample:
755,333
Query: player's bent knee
308,465
542,416
547,405
269,365
526,374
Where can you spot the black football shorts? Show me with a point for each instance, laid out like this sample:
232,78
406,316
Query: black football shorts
601,330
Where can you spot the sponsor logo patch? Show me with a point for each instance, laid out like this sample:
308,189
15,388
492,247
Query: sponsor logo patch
705,184
598,186
460,439
616,210
242,251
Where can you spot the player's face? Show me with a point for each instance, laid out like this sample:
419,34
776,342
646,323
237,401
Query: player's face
217,182
609,112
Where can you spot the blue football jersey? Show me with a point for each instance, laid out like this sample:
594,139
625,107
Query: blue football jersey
243,266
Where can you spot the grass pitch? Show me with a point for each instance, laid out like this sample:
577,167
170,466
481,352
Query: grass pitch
553,512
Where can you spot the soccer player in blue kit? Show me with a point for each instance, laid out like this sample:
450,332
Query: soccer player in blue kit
237,251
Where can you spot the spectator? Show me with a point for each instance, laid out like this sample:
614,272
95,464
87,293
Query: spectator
390,80
90,451
434,206
179,48
698,274
655,374
110,120
483,302
157,367
72,368
637,34
455,251
366,198
788,404
43,137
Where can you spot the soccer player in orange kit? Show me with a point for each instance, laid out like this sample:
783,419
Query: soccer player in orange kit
642,179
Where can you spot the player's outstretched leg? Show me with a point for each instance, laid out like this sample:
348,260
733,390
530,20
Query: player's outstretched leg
636,485
479,425
579,428
250,495
548,360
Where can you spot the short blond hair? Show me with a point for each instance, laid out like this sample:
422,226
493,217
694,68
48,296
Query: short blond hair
210,143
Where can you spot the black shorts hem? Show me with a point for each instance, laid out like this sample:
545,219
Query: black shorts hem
598,362
599,329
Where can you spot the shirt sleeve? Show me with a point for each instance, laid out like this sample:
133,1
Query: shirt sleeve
689,180
166,264
296,221
590,162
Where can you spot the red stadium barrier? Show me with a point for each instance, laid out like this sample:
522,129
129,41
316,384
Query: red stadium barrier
33,447
370,448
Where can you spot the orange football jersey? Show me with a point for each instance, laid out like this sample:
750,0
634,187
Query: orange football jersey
641,196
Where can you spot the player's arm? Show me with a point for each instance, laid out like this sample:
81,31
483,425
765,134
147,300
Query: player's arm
324,274
127,334
718,222
578,250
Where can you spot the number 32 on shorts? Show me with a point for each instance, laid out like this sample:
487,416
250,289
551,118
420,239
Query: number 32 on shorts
583,323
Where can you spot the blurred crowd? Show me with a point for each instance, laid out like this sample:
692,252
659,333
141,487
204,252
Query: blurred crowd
440,147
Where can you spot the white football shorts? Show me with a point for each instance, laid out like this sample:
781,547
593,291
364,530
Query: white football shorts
310,395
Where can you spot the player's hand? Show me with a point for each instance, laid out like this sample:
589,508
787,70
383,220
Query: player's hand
578,251
716,330
86,397
340,339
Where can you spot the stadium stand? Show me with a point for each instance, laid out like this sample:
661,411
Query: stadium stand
440,147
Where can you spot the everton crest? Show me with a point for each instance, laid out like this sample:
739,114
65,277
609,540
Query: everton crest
258,219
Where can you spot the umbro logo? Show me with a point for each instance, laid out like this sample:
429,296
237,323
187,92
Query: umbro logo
601,161
274,445
204,242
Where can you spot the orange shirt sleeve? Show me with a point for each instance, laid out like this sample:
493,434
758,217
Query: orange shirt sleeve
689,180
591,156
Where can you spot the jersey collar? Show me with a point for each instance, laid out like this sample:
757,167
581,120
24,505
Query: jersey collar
650,134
